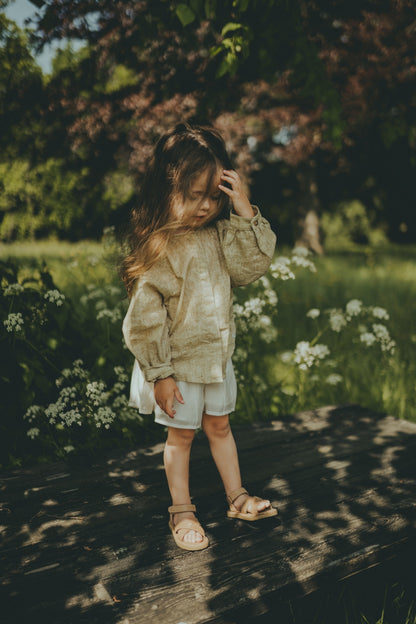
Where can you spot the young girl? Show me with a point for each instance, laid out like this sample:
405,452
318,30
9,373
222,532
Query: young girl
187,253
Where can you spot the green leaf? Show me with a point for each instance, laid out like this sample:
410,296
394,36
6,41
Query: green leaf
185,14
230,27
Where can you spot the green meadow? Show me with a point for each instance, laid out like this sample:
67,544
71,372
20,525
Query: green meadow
273,377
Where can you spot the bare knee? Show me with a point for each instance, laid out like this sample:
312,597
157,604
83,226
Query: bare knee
216,427
180,437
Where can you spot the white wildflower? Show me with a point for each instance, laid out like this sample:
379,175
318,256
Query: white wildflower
32,412
380,313
33,432
300,251
119,387
112,315
96,392
120,402
305,263
253,307
313,313
383,337
13,289
71,417
368,338
104,416
287,356
353,307
14,322
306,355
333,379
69,448
54,296
52,412
280,269
121,374
336,320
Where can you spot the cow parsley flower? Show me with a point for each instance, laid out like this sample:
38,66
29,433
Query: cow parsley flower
368,338
307,355
33,432
383,337
380,313
333,379
32,412
112,315
13,289
336,320
54,296
313,313
353,307
280,269
14,322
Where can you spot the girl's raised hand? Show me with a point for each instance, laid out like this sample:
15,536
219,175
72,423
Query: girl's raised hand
241,203
166,391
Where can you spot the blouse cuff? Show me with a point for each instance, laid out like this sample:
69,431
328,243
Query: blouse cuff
245,223
158,372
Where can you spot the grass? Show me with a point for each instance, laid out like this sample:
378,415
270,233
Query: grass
384,277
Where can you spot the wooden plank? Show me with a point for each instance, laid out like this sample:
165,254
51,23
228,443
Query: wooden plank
344,480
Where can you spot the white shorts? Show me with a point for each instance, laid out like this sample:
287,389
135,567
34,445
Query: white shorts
215,399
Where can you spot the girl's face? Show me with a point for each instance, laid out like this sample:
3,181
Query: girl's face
202,204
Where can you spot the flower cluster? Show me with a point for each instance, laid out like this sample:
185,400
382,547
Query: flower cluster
306,355
81,401
14,322
54,296
106,301
13,289
283,268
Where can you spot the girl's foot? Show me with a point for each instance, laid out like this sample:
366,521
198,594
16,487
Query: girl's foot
253,506
245,507
190,537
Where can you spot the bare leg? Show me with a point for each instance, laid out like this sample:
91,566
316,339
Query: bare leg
224,452
176,460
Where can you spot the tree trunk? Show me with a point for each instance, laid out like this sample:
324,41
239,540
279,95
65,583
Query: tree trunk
309,226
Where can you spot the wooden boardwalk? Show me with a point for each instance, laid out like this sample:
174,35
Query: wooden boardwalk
92,545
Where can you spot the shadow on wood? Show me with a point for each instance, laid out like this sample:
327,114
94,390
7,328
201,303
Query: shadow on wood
92,544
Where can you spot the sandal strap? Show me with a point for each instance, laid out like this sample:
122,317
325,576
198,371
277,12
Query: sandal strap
247,503
179,508
189,525
235,494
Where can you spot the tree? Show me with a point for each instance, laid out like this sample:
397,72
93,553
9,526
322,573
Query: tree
284,81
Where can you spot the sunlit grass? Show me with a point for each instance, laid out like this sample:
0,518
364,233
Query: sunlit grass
385,278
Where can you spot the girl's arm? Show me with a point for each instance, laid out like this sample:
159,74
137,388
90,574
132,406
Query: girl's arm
247,240
145,329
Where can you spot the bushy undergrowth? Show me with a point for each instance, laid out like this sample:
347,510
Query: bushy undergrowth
65,370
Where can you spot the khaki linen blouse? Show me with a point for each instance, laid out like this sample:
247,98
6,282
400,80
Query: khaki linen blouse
180,319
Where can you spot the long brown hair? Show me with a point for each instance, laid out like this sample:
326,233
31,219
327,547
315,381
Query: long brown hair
179,156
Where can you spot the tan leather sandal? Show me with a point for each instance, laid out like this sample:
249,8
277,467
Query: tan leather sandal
244,514
184,526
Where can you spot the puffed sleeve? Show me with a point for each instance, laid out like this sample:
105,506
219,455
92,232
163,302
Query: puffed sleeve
248,245
145,329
